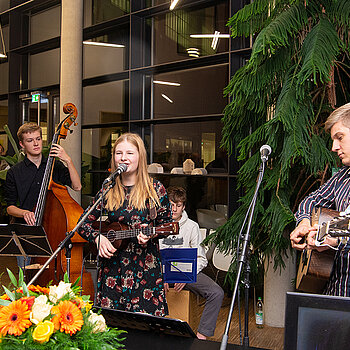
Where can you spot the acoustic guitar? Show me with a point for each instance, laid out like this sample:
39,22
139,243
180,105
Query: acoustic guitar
118,233
315,267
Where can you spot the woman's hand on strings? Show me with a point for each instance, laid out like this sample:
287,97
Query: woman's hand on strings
142,238
106,248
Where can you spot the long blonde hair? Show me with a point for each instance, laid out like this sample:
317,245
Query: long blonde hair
143,188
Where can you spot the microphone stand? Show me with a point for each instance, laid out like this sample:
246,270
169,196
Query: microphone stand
66,243
244,259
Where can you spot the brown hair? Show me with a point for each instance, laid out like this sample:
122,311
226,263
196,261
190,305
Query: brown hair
26,128
341,114
143,188
177,194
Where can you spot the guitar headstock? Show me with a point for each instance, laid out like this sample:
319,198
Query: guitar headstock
337,227
170,228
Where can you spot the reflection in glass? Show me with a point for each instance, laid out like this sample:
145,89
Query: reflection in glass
44,68
173,30
97,11
175,143
45,25
96,156
106,54
4,78
199,92
105,103
3,113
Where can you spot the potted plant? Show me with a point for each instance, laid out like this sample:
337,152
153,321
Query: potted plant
298,72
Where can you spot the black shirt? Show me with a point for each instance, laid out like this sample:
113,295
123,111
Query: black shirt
23,182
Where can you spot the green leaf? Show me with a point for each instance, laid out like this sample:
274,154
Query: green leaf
5,302
9,293
319,51
66,277
12,277
20,277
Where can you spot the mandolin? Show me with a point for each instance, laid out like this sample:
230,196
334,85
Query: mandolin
117,233
315,267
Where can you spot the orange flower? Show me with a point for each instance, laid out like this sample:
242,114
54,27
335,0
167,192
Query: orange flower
38,289
29,301
14,318
68,317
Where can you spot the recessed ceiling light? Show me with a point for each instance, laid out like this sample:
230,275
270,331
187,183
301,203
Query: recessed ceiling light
97,43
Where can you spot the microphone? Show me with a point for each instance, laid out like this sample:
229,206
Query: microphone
265,151
121,169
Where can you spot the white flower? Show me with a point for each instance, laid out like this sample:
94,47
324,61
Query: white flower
98,322
40,309
58,292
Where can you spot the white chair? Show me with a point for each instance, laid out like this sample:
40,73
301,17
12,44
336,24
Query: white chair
221,262
210,218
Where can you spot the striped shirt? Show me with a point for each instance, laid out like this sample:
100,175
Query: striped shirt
334,194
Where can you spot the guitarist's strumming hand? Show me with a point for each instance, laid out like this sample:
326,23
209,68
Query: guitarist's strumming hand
298,236
106,247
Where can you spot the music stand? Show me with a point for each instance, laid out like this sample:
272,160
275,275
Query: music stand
24,240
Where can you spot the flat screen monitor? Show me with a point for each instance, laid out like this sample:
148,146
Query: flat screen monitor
314,321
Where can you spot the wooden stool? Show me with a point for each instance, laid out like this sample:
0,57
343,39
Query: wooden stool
181,305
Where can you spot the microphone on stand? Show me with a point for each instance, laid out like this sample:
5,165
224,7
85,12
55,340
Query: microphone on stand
121,169
265,151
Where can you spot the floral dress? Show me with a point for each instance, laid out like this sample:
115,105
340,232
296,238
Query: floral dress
132,279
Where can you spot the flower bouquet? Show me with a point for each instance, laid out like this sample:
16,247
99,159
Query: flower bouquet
33,317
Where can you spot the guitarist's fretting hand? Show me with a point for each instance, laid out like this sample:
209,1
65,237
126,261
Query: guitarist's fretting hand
329,241
106,247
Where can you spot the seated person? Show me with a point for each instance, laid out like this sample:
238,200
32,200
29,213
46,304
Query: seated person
190,237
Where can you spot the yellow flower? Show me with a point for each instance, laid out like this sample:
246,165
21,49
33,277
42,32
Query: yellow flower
43,331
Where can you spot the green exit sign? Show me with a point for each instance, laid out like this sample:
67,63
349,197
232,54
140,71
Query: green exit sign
35,97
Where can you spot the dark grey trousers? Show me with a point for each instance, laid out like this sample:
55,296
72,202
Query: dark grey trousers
213,295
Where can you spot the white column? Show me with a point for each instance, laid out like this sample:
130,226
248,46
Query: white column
71,75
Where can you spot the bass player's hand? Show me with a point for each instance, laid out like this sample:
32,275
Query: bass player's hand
106,249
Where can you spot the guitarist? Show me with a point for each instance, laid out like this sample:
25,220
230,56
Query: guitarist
130,277
334,194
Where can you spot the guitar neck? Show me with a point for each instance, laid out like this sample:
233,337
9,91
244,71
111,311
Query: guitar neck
165,230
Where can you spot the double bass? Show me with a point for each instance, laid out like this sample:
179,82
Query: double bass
59,213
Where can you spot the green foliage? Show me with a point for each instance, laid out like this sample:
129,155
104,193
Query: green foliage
297,74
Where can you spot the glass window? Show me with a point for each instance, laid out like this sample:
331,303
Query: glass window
44,69
4,5
197,92
97,11
199,141
5,33
4,78
150,3
203,192
96,157
45,25
3,117
105,103
173,31
106,54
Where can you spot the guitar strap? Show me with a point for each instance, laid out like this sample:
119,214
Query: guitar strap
152,208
